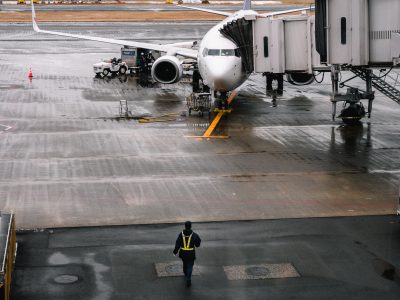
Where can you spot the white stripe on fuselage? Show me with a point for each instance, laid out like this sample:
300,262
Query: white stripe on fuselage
221,73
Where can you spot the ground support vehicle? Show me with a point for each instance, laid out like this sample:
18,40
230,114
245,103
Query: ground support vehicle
112,66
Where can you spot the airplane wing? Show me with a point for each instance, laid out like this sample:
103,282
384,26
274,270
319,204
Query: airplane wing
183,44
216,12
169,49
222,13
285,12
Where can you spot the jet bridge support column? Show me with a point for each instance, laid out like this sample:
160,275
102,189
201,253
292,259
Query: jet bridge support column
335,88
270,86
369,92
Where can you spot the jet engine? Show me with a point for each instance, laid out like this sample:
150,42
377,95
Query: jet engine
300,78
167,69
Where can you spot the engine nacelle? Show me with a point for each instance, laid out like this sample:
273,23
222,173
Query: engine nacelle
300,78
167,69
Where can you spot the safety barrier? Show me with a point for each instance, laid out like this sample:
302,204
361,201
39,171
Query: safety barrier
8,249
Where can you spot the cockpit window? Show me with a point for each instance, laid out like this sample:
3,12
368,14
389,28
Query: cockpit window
214,52
227,52
237,52
223,52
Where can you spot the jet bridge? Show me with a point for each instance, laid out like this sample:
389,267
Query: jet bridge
354,35
359,32
342,32
285,45
241,33
275,47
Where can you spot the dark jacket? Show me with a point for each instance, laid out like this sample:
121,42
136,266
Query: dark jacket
194,242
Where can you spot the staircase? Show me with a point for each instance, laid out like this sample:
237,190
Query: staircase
379,84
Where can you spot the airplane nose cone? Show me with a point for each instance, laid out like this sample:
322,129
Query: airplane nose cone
219,71
219,75
220,85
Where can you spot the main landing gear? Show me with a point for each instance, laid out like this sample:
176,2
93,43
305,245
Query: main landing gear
274,86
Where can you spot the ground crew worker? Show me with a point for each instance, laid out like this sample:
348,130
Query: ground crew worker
143,63
150,58
185,243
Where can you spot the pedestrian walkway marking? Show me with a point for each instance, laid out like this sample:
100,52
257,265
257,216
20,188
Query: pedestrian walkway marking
261,271
208,133
173,269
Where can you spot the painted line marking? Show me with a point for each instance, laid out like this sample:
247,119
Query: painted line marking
217,119
6,127
207,137
385,171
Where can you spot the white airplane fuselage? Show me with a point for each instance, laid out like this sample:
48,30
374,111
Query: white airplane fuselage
219,62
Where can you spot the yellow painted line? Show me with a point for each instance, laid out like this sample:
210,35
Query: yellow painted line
161,118
218,117
207,137
158,117
232,96
213,124
222,110
142,121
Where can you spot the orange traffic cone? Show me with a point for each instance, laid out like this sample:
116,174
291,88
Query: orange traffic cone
30,75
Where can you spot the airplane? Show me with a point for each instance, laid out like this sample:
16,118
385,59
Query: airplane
218,58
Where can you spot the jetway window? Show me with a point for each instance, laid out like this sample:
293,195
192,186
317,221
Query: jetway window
343,30
265,46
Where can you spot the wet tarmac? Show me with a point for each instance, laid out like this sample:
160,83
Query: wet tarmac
65,160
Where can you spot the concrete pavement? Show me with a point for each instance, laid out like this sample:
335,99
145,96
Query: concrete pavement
336,258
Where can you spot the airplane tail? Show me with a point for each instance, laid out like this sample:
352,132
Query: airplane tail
247,5
35,27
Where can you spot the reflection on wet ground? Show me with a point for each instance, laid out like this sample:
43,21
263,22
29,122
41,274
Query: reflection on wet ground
133,80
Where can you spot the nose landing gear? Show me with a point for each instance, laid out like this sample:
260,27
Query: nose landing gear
221,100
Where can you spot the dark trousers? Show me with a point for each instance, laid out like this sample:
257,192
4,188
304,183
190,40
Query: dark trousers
188,268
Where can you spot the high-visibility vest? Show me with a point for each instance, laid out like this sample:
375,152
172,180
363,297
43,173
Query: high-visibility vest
186,244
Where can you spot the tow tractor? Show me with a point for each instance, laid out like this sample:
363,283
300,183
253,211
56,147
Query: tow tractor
112,66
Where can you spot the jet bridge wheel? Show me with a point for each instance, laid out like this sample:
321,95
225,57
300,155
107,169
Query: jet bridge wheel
352,114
